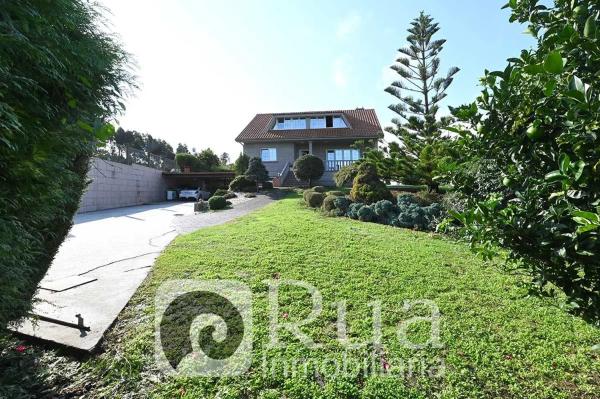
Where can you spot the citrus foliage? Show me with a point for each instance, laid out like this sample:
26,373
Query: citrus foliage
538,124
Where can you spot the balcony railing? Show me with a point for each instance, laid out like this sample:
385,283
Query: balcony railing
334,166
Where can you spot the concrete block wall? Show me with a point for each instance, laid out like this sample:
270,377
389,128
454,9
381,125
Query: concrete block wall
116,185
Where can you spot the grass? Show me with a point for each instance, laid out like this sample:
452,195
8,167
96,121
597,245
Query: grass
497,340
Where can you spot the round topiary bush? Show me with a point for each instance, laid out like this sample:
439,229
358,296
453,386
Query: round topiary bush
306,193
315,200
342,203
329,203
230,195
242,184
216,203
367,187
319,189
386,212
308,168
366,214
353,210
220,192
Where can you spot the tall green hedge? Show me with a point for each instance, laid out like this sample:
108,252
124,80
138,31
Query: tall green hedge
61,79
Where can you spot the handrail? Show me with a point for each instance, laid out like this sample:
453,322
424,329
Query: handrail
285,172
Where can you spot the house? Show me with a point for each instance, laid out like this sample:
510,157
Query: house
279,139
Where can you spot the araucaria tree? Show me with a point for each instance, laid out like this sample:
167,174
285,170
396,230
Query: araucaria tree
63,78
420,91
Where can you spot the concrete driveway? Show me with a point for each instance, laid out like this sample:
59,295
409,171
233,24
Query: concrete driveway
103,261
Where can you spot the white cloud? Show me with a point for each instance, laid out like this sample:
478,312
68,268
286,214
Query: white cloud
340,72
348,25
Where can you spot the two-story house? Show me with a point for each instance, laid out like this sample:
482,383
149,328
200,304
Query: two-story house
280,139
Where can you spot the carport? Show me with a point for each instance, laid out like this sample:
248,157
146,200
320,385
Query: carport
207,181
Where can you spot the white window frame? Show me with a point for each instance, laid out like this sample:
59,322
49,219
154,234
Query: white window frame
271,151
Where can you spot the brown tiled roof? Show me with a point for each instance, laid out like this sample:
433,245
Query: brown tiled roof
363,124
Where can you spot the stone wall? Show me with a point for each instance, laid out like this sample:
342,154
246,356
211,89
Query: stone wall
115,185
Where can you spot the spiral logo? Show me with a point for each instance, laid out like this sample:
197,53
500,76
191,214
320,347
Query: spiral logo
203,328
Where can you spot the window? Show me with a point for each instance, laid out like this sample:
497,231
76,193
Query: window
311,122
317,123
343,155
290,123
338,122
268,154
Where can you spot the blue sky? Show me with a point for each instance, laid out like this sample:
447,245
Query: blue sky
206,67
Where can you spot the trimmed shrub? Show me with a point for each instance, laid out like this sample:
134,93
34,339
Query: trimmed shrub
306,193
406,200
308,168
367,187
257,171
426,198
386,212
201,206
220,193
315,200
242,184
342,203
267,185
319,189
366,214
329,203
337,193
216,203
230,195
353,210
250,195
413,216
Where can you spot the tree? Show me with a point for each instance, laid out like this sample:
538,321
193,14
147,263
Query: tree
224,159
308,168
241,164
420,91
367,187
257,171
208,160
182,149
536,124
63,78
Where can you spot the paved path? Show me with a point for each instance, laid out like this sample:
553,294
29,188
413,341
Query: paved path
104,259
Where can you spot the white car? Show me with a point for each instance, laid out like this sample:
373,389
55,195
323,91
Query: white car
194,194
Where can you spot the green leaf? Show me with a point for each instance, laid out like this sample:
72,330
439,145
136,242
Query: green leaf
587,228
549,88
104,132
554,63
534,69
72,103
564,162
555,176
592,217
579,170
576,84
513,3
589,31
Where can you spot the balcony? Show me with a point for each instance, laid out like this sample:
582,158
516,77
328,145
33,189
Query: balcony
334,166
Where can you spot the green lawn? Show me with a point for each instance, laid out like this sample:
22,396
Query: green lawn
497,341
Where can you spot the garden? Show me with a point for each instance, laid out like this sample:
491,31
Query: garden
488,219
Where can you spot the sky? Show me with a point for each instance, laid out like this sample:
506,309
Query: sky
205,68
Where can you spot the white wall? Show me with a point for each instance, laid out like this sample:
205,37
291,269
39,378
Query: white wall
115,185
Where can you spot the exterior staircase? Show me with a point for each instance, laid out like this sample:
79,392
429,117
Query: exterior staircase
291,181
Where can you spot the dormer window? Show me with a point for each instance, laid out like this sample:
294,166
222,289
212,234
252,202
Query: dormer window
290,124
311,122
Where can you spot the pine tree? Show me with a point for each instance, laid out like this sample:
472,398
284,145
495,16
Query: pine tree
420,91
